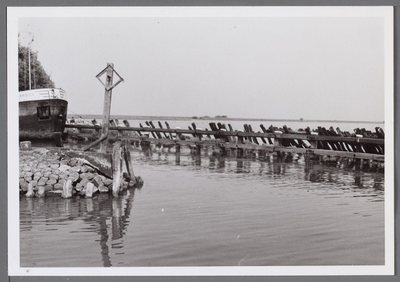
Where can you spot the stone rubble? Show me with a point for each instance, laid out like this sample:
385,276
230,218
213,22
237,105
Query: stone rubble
48,171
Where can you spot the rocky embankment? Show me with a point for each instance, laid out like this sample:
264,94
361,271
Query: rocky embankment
52,173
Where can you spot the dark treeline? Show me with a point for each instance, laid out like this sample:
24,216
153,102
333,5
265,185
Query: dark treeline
39,77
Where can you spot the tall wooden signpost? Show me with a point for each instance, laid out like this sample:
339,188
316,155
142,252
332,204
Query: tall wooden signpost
117,160
108,86
107,103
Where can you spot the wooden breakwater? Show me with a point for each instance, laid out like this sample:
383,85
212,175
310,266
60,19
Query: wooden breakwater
360,147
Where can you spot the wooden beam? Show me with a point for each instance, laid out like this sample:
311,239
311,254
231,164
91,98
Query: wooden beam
245,134
95,143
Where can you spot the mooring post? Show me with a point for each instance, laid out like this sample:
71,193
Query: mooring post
198,149
41,191
222,149
67,189
177,159
117,168
277,140
89,190
313,142
128,164
30,193
239,141
107,106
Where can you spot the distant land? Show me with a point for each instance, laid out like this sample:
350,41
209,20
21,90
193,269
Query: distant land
132,117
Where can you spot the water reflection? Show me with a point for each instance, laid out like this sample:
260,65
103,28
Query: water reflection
94,212
277,167
108,217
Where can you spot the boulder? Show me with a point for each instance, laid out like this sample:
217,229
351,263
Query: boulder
58,186
74,176
25,145
48,187
87,175
37,175
64,168
97,181
24,186
51,181
47,174
54,176
42,181
55,165
84,181
103,189
27,168
83,168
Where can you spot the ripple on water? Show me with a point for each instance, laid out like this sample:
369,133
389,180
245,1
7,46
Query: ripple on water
213,211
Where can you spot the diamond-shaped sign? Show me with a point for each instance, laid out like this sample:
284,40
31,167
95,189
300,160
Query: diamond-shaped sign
107,70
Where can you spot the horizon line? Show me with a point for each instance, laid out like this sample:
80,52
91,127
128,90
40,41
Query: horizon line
116,116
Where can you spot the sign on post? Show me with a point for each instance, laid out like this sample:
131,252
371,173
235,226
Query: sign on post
109,72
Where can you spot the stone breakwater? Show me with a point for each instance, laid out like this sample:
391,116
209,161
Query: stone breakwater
45,172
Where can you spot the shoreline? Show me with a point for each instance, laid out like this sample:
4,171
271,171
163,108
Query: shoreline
133,117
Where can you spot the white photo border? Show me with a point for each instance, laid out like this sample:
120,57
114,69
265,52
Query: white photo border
13,15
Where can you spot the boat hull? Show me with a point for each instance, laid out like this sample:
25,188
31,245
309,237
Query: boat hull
42,119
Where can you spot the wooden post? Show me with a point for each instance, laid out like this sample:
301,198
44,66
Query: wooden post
313,143
30,193
107,107
67,189
277,141
198,149
117,168
41,191
94,122
222,149
170,134
239,141
128,163
89,190
160,125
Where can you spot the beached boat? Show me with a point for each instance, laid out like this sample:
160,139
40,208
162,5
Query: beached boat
42,114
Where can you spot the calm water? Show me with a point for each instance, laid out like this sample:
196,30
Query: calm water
213,211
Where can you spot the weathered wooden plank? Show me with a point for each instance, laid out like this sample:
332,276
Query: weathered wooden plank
170,133
332,153
95,143
165,133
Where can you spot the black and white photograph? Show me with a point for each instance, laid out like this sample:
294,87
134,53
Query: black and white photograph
200,141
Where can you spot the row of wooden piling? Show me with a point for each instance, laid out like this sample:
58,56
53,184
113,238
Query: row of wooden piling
361,144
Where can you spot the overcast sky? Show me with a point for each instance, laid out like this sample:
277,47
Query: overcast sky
281,68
